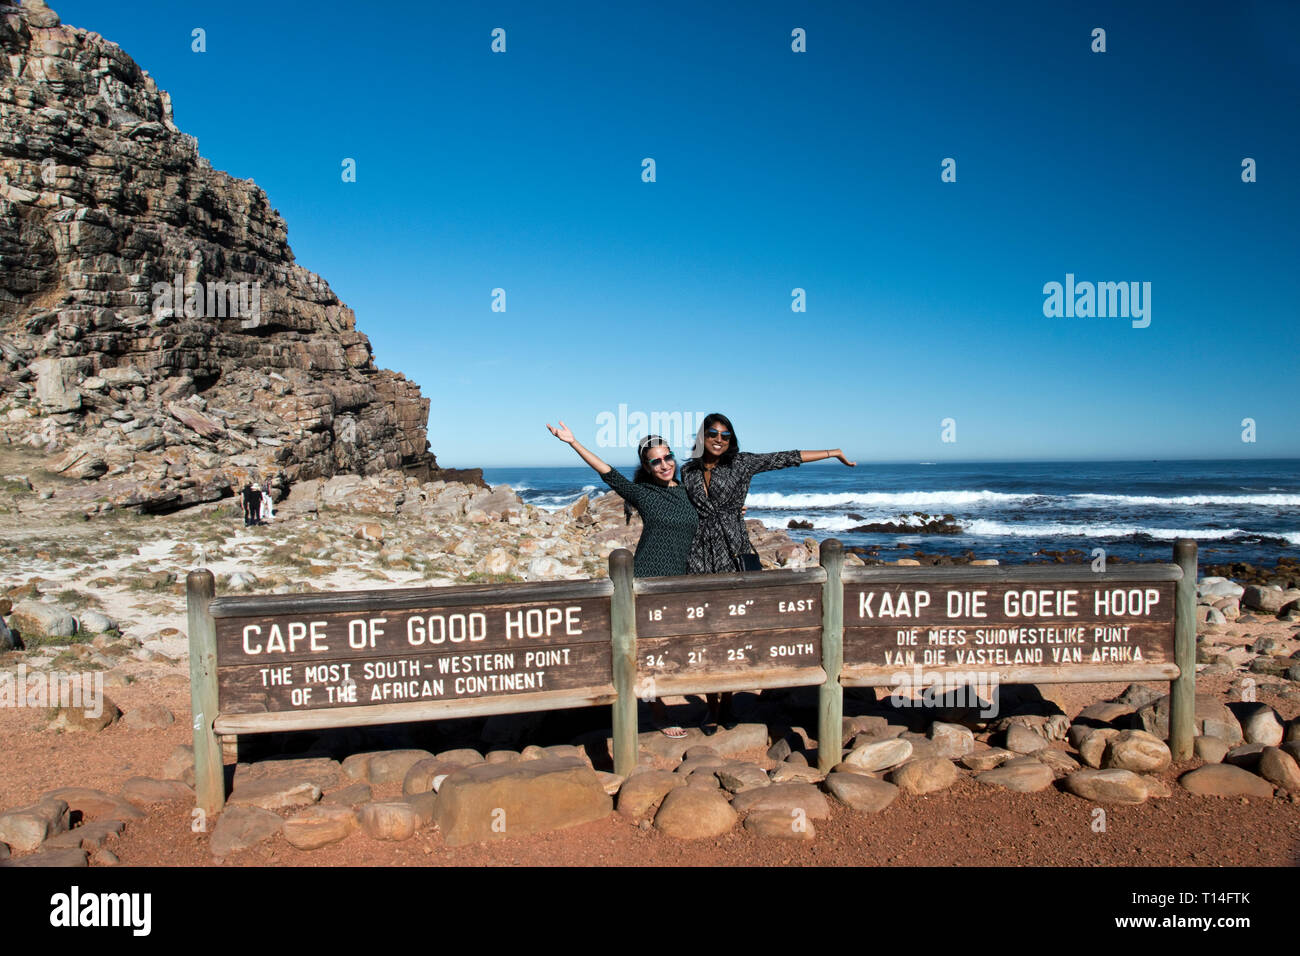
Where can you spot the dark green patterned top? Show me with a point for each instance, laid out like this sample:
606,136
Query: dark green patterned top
668,520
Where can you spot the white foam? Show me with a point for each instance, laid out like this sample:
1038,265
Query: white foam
885,500
1285,501
957,498
994,529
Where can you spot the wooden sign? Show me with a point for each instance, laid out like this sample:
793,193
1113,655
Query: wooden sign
295,662
394,647
1038,624
703,626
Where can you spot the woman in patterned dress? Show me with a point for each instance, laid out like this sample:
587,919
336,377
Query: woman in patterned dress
717,479
668,519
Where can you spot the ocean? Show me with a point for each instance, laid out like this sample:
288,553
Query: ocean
1237,510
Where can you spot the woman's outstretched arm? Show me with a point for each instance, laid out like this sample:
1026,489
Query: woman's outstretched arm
823,455
566,436
752,464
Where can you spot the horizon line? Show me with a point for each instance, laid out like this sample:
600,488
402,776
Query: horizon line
967,461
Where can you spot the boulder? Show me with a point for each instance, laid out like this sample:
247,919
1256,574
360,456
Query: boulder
56,388
779,825
1105,714
1157,789
96,804
26,828
427,775
785,797
1212,718
498,801
242,827
951,740
860,792
61,859
1218,587
794,773
880,754
1280,769
1210,749
694,813
146,791
1260,597
356,766
324,772
1136,750
642,792
739,777
422,804
1245,756
1022,740
351,796
36,620
1225,780
93,622
986,759
88,836
926,775
320,826
179,764
922,746
88,720
394,821
1059,761
1107,786
739,739
1028,777
1260,725
1092,749
391,766
148,717
274,793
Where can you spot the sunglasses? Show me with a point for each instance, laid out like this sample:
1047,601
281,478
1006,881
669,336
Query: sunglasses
656,462
714,433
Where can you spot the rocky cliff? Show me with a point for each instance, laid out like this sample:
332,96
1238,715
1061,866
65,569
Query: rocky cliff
156,336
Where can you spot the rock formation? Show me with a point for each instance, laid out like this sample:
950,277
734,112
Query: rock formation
157,338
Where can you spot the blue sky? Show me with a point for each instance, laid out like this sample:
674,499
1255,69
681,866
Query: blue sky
776,170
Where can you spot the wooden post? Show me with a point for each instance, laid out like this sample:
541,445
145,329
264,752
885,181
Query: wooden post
622,620
1182,690
209,774
830,716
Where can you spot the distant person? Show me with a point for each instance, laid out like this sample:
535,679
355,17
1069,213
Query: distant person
716,478
668,519
252,504
267,511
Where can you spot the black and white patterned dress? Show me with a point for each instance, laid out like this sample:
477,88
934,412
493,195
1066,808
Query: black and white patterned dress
721,533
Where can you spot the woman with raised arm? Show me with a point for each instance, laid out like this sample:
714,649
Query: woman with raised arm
667,517
717,480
